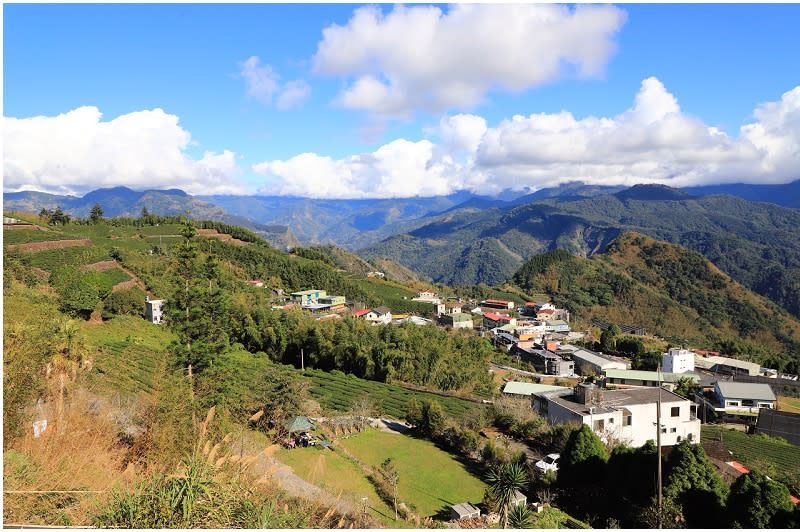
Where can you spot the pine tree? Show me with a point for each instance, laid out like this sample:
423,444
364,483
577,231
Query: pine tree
96,214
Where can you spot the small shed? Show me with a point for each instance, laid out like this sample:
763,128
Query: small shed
464,510
519,499
299,424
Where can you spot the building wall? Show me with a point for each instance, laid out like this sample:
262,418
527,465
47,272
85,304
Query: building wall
677,361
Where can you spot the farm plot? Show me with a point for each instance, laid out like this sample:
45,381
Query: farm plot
338,391
776,458
25,236
126,368
77,256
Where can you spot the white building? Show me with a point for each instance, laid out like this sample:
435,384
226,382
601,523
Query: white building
154,310
623,416
743,397
677,360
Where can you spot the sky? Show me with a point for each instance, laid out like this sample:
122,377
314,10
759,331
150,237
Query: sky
394,100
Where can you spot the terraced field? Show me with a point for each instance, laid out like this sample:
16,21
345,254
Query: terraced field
77,256
338,391
127,369
774,457
24,236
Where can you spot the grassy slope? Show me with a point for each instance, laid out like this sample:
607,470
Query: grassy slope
338,476
430,484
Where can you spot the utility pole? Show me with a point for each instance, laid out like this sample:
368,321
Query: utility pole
302,361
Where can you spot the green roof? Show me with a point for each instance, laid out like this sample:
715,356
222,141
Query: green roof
528,388
299,424
640,375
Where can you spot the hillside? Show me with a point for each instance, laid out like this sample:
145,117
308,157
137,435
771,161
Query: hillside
671,291
758,244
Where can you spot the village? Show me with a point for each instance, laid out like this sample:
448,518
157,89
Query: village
566,382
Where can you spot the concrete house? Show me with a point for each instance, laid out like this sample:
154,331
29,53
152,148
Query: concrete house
458,320
624,416
526,390
677,360
743,397
307,297
500,304
492,320
154,310
545,361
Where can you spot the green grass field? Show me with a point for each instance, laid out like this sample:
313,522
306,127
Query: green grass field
773,457
115,275
430,479
337,391
338,476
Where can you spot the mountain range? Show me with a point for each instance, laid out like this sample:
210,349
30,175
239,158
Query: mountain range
749,231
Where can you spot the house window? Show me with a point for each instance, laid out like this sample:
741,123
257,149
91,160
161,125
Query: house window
747,402
673,430
679,439
599,424
626,421
675,411
690,436
611,421
733,403
622,381
664,430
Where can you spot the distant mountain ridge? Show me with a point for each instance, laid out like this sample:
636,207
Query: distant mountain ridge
123,201
758,244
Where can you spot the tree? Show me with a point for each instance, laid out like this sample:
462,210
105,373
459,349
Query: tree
581,471
79,292
59,217
693,482
96,214
608,339
686,387
124,302
504,482
390,475
757,502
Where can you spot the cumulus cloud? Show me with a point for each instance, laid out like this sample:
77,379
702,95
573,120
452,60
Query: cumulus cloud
76,151
263,84
651,142
398,169
421,58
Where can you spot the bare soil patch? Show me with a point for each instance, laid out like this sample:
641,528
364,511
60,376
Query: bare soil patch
213,233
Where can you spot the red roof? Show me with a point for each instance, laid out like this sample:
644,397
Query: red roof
496,317
359,313
531,304
795,500
738,467
500,301
546,311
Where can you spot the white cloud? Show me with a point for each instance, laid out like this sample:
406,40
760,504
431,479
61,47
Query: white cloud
75,152
652,142
398,169
293,95
263,83
421,58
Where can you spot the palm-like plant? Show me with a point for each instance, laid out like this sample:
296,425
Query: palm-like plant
504,481
520,517
67,358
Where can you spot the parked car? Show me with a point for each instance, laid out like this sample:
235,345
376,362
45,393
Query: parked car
548,463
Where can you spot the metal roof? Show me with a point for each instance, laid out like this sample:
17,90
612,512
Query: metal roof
595,359
710,362
746,390
529,388
648,375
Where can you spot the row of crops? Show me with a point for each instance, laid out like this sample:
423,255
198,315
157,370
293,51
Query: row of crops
74,256
337,391
756,451
25,236
126,368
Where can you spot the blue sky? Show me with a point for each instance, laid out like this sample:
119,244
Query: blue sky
338,101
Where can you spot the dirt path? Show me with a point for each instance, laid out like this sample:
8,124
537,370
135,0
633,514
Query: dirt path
34,247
